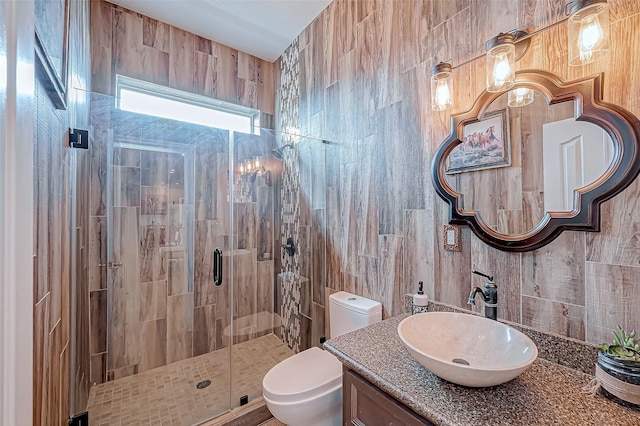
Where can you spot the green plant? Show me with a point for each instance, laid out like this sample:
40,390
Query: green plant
623,347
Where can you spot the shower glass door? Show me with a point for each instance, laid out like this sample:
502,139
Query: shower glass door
184,250
256,348
167,210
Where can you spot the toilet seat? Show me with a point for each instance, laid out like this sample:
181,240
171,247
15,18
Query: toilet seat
305,375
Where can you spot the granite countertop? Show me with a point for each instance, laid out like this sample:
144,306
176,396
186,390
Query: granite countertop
545,394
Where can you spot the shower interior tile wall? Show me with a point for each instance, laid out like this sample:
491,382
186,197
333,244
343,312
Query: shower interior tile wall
160,305
301,289
179,59
302,281
289,279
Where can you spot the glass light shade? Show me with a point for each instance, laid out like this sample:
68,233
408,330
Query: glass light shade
241,168
248,166
256,162
501,65
441,87
588,28
520,97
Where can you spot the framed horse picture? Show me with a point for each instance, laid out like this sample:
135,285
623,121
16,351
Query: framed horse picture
484,145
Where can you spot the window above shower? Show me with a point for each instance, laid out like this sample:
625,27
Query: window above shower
160,101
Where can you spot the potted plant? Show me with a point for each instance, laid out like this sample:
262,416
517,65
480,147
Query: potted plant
618,369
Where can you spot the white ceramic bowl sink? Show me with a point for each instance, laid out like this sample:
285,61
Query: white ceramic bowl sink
467,349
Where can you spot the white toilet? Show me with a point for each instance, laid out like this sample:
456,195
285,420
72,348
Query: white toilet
306,389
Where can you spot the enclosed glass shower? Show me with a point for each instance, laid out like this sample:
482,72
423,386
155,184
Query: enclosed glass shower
188,286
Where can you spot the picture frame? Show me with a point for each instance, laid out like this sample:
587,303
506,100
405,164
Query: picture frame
51,48
485,144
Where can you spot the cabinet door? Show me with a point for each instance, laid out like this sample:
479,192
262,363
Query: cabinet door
365,405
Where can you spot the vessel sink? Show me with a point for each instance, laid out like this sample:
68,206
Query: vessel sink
467,349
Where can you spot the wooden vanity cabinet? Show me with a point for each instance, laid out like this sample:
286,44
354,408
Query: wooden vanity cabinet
363,404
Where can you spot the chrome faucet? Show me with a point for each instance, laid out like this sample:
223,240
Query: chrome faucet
489,295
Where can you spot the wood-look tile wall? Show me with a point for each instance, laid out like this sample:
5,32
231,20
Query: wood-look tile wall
171,310
80,84
312,244
130,44
52,259
56,169
364,85
170,209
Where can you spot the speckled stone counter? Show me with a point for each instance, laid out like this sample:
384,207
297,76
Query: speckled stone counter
545,394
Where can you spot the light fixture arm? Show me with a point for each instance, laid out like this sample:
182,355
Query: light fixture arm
525,36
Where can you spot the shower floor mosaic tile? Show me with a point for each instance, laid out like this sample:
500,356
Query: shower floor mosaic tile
168,395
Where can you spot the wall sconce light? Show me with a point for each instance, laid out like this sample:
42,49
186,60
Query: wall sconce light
520,97
503,51
441,87
248,166
588,27
501,59
251,168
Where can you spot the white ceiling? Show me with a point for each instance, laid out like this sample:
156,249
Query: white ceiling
263,28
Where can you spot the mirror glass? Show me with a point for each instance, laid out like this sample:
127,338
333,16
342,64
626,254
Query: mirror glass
516,163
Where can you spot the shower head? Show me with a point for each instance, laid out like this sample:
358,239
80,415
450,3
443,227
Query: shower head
278,152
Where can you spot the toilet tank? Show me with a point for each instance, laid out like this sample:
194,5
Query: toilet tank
348,312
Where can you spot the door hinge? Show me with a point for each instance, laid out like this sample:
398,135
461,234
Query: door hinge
81,419
79,138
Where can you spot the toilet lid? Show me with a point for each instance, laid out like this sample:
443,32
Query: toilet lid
302,376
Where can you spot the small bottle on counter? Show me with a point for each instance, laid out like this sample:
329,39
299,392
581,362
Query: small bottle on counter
420,300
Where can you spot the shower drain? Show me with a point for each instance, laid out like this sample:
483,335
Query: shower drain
203,384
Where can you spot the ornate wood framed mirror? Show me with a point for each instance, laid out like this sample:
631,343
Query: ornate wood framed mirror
521,167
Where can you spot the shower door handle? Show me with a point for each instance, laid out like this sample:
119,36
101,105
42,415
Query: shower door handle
217,266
